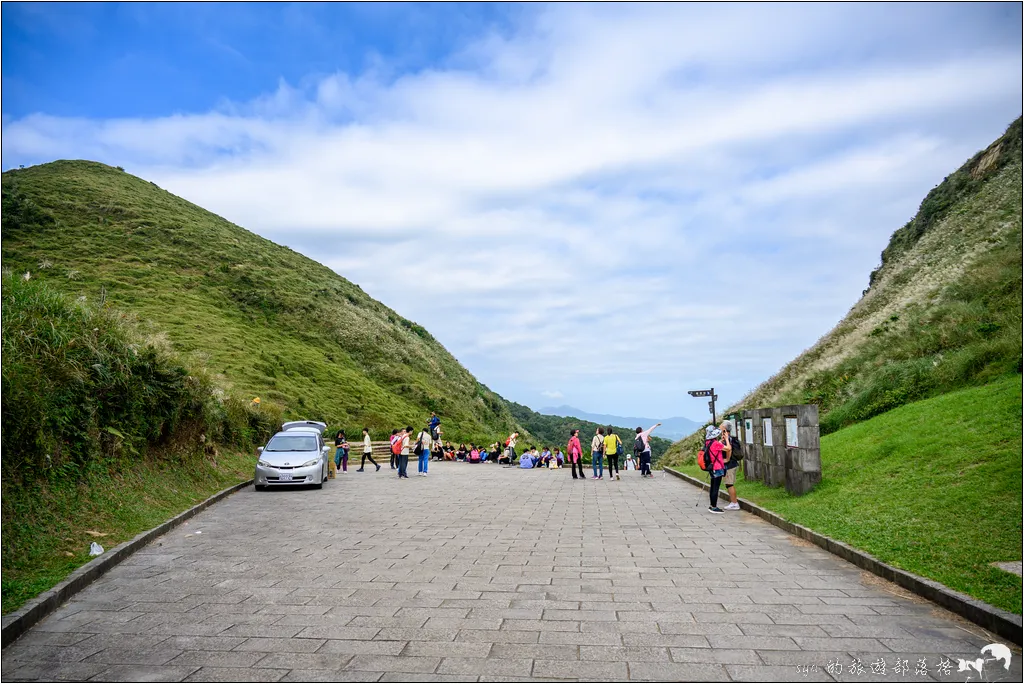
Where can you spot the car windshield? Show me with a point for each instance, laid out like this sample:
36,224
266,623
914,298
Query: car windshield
292,443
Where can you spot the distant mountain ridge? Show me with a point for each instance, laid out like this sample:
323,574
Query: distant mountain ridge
671,428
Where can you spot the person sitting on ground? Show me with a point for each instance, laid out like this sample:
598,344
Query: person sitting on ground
462,453
559,457
526,460
484,454
545,456
474,454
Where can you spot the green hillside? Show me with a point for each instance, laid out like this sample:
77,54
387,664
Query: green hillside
261,319
933,487
942,312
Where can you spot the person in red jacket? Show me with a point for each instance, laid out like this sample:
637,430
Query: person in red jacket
575,454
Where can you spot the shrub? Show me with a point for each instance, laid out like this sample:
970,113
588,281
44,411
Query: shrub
82,388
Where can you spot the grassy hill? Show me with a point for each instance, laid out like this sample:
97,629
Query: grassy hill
261,319
943,311
933,487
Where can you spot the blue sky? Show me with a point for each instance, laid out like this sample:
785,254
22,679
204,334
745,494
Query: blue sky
606,205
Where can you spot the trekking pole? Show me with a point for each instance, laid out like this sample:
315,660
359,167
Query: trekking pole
700,492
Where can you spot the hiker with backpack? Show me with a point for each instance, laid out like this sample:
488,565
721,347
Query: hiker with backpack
575,452
612,449
403,455
734,455
434,425
712,459
396,447
642,448
597,453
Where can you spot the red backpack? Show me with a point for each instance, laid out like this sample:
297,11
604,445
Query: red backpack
704,456
396,445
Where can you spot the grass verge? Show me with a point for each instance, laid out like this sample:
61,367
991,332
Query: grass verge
46,527
933,487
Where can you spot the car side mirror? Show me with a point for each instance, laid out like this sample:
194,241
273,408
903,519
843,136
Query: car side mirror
259,450
326,449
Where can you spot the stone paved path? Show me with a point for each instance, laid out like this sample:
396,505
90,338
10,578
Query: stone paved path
482,572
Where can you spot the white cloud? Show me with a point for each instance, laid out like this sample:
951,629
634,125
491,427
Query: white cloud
617,201
555,394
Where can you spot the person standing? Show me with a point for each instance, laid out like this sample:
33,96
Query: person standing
645,449
575,453
612,446
403,454
716,453
341,451
731,445
423,444
396,447
597,453
434,425
510,443
367,451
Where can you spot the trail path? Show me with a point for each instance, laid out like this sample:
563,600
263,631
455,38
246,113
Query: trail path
479,571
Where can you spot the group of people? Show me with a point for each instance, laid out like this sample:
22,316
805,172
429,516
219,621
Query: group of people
428,443
605,443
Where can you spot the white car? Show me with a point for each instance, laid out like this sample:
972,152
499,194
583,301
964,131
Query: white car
295,456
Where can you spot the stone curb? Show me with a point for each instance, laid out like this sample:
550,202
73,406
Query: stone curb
998,621
20,621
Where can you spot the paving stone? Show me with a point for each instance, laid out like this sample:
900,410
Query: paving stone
421,677
135,655
625,653
581,638
207,643
52,671
678,672
299,675
390,664
447,649
217,658
306,661
776,673
562,669
498,636
486,667
234,674
723,656
155,673
336,632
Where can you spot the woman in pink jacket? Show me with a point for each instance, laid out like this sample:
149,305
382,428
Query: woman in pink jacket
575,453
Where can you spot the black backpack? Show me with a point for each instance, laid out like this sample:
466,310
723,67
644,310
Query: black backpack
638,445
737,449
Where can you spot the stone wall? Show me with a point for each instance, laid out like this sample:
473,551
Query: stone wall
792,455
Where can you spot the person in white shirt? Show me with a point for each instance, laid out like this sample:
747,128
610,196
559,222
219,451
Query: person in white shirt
367,451
423,442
